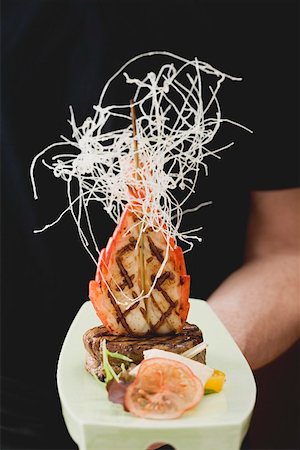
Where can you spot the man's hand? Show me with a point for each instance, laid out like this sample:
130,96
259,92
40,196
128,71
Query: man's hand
260,303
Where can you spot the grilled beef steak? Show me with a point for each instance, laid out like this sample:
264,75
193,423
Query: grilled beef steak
133,347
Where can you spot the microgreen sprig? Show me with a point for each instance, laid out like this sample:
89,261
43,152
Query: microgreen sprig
108,370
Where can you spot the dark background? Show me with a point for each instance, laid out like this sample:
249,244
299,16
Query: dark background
60,53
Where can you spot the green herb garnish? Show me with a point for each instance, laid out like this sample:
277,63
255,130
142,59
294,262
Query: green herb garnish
108,370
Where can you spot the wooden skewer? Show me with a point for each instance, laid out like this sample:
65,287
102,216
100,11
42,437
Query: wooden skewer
137,165
135,142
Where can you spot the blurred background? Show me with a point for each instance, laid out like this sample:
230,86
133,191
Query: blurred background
57,53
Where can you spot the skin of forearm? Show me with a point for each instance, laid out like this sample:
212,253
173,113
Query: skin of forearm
259,304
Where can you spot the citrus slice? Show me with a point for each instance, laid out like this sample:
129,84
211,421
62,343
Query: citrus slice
163,389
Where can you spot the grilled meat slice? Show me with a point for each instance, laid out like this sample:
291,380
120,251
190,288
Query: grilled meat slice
133,347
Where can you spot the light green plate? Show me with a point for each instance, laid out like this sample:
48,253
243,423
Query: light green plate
219,422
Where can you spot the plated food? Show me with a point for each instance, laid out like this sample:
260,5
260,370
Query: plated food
151,359
135,160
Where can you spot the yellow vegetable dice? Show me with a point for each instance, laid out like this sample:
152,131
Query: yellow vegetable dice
215,383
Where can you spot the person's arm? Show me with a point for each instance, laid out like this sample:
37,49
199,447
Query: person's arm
260,303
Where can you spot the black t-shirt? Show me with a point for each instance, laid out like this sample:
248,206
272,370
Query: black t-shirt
60,53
